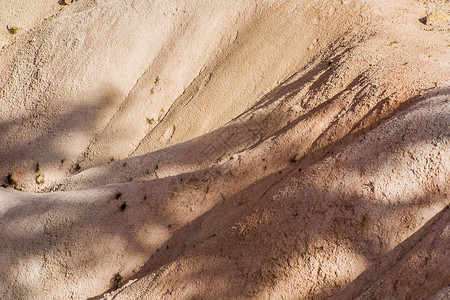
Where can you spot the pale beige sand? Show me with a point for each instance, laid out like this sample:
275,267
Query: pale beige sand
224,149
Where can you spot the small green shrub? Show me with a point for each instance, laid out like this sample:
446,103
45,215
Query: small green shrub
40,179
12,29
117,278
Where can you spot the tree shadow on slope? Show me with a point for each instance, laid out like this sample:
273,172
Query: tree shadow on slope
52,146
245,132
309,264
69,123
273,235
416,268
95,214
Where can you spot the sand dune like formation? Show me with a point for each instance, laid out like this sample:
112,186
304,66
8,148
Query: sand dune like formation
224,149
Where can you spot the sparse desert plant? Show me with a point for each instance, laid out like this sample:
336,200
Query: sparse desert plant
10,179
293,159
117,278
66,2
40,179
150,121
12,29
371,186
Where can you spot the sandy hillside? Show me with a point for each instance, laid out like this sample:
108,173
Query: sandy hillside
195,149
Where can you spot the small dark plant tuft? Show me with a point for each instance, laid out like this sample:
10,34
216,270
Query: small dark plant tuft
117,278
293,159
40,179
123,206
371,186
10,179
12,29
118,195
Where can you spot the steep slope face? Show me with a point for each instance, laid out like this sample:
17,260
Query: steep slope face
269,149
66,82
94,85
309,231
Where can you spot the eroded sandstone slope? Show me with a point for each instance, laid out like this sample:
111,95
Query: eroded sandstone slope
209,149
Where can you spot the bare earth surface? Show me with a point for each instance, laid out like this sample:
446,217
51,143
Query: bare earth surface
224,149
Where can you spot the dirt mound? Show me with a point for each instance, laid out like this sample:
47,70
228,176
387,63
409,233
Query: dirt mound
183,149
